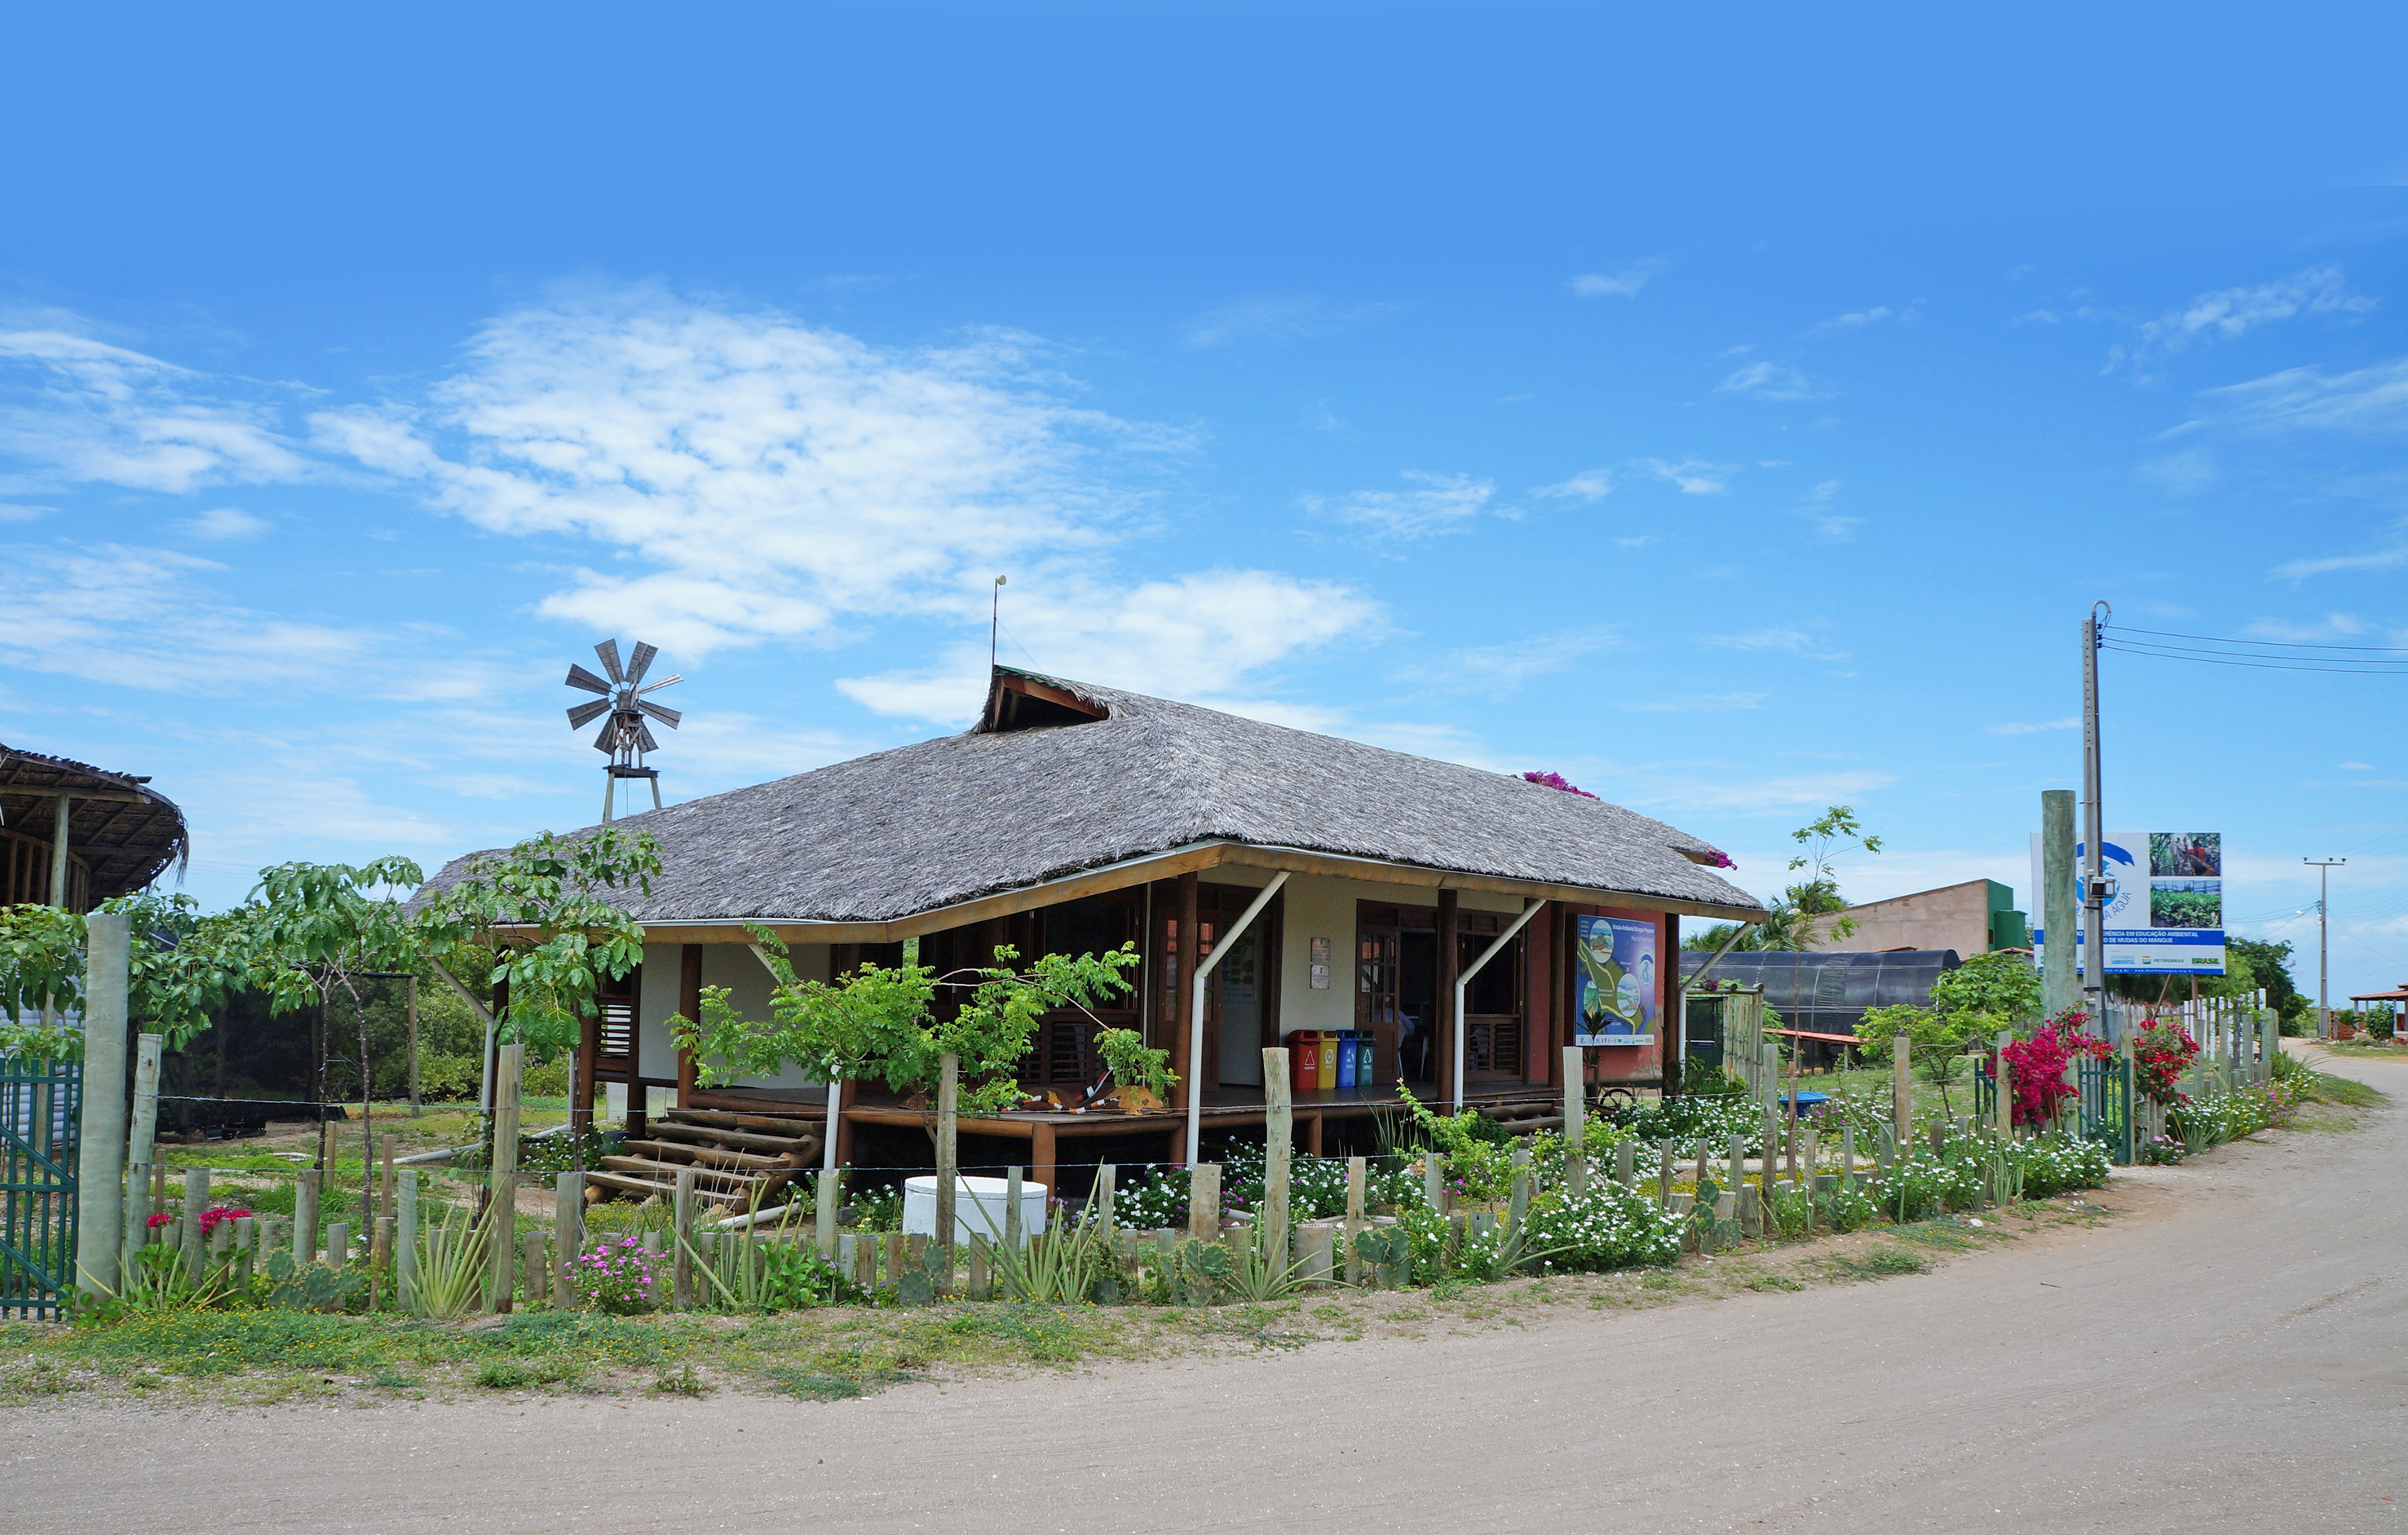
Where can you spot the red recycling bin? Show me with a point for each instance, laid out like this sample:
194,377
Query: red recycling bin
1304,1060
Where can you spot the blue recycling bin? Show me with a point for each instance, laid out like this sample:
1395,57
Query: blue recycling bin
1346,1062
1807,1105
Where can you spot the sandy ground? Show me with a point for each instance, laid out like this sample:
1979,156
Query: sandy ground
2225,1355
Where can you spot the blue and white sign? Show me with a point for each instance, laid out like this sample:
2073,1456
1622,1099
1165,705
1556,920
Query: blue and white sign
2165,916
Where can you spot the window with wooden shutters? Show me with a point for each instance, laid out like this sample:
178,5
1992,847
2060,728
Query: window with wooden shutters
615,999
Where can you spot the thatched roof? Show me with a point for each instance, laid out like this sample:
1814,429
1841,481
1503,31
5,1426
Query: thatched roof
1041,790
126,832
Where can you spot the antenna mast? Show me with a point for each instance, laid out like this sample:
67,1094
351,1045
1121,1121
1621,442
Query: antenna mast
994,622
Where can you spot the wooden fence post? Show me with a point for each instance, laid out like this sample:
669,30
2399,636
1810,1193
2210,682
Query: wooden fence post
339,1243
949,1088
1204,1202
305,1216
1357,1176
1279,1144
1434,1179
1011,1233
1663,1175
405,1272
196,1199
1901,1084
1519,1205
1575,1179
682,1264
1626,1163
2005,1097
567,1235
502,1209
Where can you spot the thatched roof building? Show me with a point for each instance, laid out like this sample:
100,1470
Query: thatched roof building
120,833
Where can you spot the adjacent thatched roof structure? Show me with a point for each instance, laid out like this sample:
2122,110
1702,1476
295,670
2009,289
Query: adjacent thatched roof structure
1060,777
126,832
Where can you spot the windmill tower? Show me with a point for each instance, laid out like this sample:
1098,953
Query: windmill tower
624,736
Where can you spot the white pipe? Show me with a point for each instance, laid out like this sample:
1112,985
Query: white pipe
1463,984
1196,1016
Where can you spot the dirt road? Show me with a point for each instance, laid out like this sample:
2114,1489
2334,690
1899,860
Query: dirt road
2229,1357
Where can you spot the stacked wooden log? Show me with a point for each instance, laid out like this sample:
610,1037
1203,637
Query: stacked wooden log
737,1159
1523,1118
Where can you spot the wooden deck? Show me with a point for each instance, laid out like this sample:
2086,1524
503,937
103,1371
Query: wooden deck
1045,1130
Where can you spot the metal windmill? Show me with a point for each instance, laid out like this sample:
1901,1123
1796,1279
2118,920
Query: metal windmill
625,735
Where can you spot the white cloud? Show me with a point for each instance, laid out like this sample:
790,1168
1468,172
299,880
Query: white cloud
1702,704
22,513
225,522
1202,637
1486,667
82,410
2183,473
2384,559
1831,526
1436,504
1694,477
2283,631
1858,319
1768,381
1623,283
1588,485
770,480
1638,541
2360,767
2369,399
1795,642
2232,312
1295,318
2026,728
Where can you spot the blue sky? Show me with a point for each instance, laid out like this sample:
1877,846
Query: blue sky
1734,408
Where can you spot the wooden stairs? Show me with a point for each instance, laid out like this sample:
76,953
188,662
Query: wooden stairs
739,1159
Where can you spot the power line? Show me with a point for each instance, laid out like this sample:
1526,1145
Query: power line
2365,669
2270,645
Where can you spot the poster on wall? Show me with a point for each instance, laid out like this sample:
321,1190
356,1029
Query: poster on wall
2166,916
1617,998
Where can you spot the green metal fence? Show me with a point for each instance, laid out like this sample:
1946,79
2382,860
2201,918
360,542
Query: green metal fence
2106,1113
40,1108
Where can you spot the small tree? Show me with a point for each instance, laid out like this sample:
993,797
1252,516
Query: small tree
181,966
1980,997
880,1022
543,919
311,931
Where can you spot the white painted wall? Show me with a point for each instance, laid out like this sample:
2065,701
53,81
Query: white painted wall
731,965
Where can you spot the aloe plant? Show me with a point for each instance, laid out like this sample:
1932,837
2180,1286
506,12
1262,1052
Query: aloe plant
451,1279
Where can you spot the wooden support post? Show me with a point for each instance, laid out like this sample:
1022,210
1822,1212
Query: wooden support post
502,1192
828,1203
1278,1142
978,1281
949,1088
1450,964
384,1205
379,1261
246,1248
1012,1237
339,1243
142,1136
1575,1107
1105,1219
1848,1157
1626,1163
1204,1202
405,1268
1357,1175
1735,1158
893,1256
1043,1168
1178,992
1520,1207
567,1235
1434,1179
1663,1175
135,1235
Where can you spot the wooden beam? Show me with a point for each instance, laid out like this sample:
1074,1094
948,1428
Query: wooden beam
1190,956
1450,965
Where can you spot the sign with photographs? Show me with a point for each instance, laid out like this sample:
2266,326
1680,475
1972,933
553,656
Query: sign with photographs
1618,996
2166,916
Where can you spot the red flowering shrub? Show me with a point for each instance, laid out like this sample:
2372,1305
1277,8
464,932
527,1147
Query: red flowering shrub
218,1214
2161,1053
2036,1066
159,1219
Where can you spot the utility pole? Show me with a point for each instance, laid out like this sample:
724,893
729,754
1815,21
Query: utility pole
993,627
2094,826
2324,867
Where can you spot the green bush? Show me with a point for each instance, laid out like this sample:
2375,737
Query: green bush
1609,1227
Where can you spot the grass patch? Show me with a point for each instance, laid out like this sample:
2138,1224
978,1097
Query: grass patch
1882,1262
1771,1282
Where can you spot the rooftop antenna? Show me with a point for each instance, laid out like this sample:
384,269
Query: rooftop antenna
624,736
994,622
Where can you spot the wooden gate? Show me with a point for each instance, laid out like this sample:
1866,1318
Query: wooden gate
40,1108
